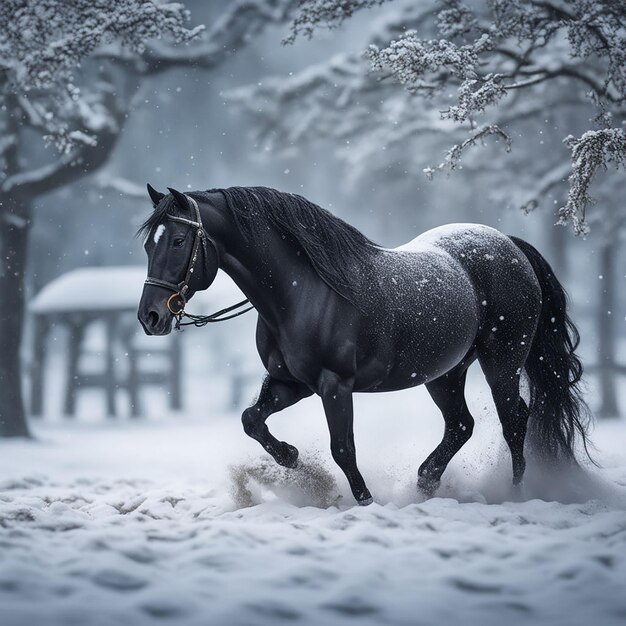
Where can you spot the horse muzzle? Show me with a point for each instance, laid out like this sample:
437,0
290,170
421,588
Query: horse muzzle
154,323
153,314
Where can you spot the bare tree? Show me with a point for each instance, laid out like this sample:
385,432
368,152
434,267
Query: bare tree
70,74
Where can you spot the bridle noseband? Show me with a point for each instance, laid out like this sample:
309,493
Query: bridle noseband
180,290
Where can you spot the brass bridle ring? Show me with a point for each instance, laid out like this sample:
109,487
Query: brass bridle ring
169,305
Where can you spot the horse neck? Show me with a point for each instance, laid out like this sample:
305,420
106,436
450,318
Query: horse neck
265,267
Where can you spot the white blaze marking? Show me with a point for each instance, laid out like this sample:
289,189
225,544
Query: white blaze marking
158,232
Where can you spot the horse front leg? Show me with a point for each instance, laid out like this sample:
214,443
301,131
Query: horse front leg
275,395
336,396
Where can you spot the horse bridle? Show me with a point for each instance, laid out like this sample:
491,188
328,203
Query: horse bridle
180,290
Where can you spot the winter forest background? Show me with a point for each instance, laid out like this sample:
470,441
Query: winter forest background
397,116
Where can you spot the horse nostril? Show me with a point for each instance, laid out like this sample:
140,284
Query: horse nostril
153,318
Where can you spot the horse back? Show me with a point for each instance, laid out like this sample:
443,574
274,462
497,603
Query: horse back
498,270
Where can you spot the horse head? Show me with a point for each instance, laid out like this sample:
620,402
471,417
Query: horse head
182,259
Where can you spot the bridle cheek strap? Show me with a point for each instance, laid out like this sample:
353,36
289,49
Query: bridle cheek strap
180,290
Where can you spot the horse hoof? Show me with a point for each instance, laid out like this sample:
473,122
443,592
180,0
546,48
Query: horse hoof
365,502
288,457
427,486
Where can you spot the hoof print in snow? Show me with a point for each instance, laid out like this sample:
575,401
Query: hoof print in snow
162,609
274,611
352,607
473,586
118,581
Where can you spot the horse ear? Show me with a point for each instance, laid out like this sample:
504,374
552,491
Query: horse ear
181,198
155,196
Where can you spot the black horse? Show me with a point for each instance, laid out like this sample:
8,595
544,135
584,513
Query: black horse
339,314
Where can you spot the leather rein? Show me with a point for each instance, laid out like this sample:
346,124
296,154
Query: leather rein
180,290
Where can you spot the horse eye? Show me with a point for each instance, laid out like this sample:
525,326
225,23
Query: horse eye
178,242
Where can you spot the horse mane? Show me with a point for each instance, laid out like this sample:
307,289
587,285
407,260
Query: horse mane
340,254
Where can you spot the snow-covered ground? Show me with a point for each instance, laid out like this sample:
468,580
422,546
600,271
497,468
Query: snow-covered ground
181,520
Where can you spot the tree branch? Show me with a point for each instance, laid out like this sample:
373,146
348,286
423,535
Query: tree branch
66,169
453,156
231,32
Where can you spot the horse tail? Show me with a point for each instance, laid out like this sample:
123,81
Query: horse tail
558,414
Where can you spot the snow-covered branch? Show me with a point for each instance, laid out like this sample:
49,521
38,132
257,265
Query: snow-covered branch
7,142
340,98
454,154
232,31
593,150
315,102
81,159
480,70
326,14
490,64
42,42
124,186
72,76
44,60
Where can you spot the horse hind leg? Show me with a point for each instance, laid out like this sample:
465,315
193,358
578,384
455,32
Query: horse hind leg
448,394
503,377
275,395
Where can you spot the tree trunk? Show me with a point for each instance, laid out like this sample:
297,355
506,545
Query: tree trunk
14,224
606,312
